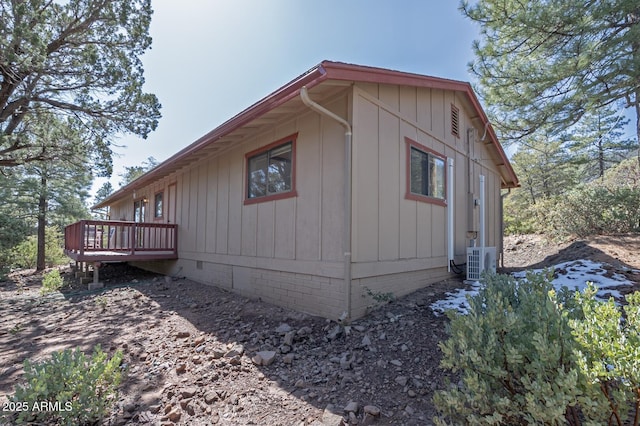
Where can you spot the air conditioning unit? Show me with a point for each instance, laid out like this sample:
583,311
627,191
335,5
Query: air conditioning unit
480,259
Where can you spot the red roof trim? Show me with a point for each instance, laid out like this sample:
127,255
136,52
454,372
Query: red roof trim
343,71
324,71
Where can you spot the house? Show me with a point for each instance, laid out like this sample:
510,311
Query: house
349,181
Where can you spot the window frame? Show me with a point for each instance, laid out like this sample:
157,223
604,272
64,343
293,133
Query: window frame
409,195
292,192
140,205
155,205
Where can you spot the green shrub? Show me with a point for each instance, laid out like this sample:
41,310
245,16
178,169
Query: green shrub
51,281
75,389
24,254
594,209
608,205
529,355
515,353
609,352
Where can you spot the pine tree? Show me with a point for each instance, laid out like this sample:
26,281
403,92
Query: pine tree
547,63
76,59
598,142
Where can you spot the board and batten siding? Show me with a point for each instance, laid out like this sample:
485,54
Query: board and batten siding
287,251
400,245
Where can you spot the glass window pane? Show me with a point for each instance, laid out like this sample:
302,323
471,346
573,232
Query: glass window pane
419,178
436,177
280,169
257,181
158,205
137,211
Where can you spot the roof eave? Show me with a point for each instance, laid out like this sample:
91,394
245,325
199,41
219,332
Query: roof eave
290,90
324,71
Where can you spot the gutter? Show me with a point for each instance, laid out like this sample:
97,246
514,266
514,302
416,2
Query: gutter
346,243
502,198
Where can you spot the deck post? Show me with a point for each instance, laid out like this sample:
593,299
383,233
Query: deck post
133,239
81,237
96,277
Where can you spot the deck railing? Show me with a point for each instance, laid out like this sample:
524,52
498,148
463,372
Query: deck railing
120,236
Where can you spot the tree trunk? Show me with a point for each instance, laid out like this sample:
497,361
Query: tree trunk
638,122
600,158
42,224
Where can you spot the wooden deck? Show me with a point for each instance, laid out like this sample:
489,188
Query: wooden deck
120,241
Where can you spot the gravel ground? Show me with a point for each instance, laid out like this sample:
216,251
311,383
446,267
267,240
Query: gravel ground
197,355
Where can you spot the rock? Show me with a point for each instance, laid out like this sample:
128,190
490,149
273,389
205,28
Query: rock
181,368
284,349
304,331
366,341
188,392
256,359
396,362
199,341
288,338
236,350
367,420
352,407
210,397
372,410
288,358
190,409
174,415
283,328
345,363
401,380
183,334
411,394
334,333
329,418
353,419
267,357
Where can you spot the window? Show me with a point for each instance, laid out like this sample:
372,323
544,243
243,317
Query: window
157,205
426,174
138,211
455,121
271,171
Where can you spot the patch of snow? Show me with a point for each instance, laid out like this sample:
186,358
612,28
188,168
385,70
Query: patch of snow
573,274
456,300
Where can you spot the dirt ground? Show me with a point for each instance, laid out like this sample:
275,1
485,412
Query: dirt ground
197,355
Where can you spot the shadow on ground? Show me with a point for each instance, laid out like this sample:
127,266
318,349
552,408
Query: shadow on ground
190,351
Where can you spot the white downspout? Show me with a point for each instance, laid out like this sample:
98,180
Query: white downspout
450,213
346,243
481,236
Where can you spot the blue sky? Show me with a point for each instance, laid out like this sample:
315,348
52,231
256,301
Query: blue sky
212,59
